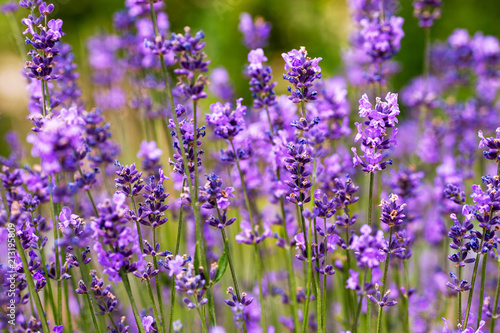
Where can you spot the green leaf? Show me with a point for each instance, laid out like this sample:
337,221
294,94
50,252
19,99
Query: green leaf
222,263
196,262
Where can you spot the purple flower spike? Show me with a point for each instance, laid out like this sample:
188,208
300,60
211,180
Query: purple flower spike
301,71
255,32
374,137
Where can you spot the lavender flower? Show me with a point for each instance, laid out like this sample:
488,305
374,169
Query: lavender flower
301,71
150,155
255,32
493,145
191,58
238,306
427,11
374,138
260,80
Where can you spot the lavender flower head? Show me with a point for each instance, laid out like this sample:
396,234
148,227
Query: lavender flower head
60,143
374,137
427,11
220,84
382,38
260,83
301,71
392,211
493,145
191,58
150,155
255,32
227,122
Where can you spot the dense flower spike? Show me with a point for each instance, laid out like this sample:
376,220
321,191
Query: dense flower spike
255,31
301,71
375,138
260,80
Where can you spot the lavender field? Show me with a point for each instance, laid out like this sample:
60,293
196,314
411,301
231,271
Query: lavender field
142,190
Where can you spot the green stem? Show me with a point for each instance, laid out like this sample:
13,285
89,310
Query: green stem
45,271
153,303
257,254
202,314
137,224
384,281
89,301
177,246
368,304
66,298
56,249
31,285
473,281
358,309
291,274
460,294
309,270
481,291
495,303
370,200
230,260
158,290
126,283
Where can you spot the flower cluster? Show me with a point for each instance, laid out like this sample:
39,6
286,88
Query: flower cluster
301,71
260,80
427,11
374,137
255,31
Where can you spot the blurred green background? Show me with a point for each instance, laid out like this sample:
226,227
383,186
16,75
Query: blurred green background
320,25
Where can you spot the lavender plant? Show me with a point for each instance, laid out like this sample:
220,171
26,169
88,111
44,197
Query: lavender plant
113,232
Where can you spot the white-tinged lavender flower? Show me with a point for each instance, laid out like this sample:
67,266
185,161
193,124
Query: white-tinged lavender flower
255,31
374,137
150,155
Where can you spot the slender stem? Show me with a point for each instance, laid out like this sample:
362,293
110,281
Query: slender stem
481,291
66,299
473,281
31,285
202,314
460,294
368,304
56,249
45,271
291,274
270,123
370,200
158,289
153,303
309,270
137,224
89,301
384,281
126,283
231,266
495,303
358,309
257,254
177,245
